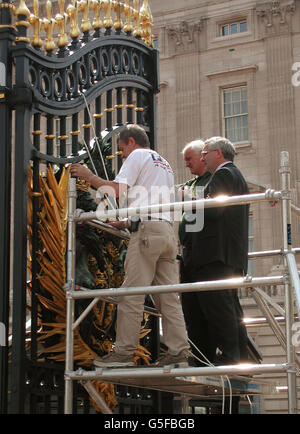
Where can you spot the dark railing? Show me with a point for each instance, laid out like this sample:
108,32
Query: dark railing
58,99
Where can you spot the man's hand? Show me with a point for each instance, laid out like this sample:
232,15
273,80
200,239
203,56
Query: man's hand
110,188
81,172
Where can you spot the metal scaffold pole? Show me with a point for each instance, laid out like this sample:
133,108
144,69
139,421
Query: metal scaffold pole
289,280
70,302
100,214
294,279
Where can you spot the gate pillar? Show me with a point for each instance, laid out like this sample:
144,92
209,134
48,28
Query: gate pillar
7,34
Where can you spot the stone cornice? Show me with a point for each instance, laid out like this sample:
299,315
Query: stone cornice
185,31
249,68
270,10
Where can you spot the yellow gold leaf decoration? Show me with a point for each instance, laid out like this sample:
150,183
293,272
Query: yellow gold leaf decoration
53,215
134,19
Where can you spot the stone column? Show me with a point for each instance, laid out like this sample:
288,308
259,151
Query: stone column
275,26
183,46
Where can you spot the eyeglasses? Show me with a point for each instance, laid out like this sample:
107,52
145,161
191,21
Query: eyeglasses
203,153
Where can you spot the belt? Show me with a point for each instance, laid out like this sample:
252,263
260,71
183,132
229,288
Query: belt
134,225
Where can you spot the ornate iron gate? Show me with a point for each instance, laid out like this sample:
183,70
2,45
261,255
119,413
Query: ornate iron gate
64,80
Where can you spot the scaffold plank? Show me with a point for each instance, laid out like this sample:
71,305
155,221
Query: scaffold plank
200,382
201,386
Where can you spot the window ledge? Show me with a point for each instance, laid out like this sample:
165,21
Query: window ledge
229,37
240,146
249,68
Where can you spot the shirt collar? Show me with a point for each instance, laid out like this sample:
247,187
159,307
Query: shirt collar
222,164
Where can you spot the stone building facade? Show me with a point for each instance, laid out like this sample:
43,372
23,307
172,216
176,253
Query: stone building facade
198,65
232,68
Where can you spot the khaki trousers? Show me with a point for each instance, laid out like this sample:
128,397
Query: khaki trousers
151,260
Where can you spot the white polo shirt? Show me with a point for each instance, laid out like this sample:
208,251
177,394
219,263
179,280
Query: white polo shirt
150,179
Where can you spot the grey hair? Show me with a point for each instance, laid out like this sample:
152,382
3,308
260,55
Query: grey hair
227,148
196,146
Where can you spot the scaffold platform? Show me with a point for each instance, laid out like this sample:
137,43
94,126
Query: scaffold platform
201,386
191,382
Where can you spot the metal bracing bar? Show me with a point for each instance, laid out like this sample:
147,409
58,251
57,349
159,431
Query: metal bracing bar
294,276
270,318
214,285
111,300
266,253
96,397
285,172
270,301
272,323
84,313
269,195
147,309
242,369
262,322
110,229
295,209
70,303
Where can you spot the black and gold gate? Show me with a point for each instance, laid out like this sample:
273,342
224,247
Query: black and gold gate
70,76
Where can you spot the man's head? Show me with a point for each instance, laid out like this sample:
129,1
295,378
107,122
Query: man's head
193,157
217,150
132,137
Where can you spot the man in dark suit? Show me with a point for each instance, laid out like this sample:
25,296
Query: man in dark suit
192,154
218,251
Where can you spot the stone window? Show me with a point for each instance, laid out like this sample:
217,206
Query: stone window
235,114
233,28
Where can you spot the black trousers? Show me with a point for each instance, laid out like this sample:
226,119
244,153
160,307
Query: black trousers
214,318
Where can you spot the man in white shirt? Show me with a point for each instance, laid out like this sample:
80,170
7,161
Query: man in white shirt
147,179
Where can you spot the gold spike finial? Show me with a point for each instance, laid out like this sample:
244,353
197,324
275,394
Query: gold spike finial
21,23
84,6
35,21
137,18
61,20
23,9
72,11
108,22
128,27
96,6
118,6
48,24
146,22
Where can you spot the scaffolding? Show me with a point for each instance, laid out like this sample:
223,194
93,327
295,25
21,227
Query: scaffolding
185,381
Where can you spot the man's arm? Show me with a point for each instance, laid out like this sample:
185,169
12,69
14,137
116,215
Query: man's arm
111,188
221,184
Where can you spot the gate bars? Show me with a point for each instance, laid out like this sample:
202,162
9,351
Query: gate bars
60,63
290,281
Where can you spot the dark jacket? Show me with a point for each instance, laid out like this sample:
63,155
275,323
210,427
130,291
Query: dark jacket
193,184
224,236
